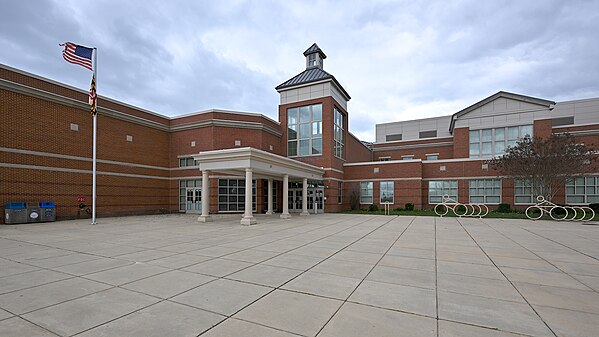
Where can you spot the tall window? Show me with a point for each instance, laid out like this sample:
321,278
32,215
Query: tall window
582,190
275,206
339,192
438,188
304,130
366,192
493,142
231,195
185,195
485,191
339,135
387,191
523,193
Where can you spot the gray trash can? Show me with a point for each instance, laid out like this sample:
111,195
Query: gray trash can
15,213
47,211
33,212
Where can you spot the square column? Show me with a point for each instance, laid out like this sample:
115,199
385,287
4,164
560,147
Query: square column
248,217
269,211
285,213
305,197
205,217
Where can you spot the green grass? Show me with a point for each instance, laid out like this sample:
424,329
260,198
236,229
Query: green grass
430,212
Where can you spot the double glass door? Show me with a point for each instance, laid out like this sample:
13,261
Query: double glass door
315,195
193,200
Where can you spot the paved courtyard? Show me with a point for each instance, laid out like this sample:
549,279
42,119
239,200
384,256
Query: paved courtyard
324,275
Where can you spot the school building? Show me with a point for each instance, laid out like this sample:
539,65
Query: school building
221,161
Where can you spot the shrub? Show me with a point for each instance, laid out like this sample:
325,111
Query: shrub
504,208
398,209
409,206
373,208
595,207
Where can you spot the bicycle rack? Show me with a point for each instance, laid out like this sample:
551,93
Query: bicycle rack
547,207
470,210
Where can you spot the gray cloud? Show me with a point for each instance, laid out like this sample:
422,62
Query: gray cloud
398,60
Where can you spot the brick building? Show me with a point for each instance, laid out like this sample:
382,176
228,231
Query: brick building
150,163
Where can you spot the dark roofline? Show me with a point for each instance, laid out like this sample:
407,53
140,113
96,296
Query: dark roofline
314,48
330,77
491,98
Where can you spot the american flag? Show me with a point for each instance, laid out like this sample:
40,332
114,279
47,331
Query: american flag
93,97
76,54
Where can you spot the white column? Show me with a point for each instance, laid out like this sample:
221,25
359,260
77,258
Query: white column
248,217
269,211
205,217
305,197
285,213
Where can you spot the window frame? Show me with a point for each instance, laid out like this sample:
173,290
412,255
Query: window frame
574,183
369,189
507,140
340,192
299,126
338,131
240,184
386,188
523,184
443,189
496,185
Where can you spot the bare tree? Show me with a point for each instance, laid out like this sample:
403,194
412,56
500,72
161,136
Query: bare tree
546,163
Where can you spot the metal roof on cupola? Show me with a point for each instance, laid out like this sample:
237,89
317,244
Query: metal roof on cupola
314,72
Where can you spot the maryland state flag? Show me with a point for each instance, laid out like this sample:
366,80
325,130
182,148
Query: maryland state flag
93,98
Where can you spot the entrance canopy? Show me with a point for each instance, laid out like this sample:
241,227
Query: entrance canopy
263,164
255,163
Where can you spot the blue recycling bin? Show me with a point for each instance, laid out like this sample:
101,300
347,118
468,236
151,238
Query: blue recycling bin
15,213
47,211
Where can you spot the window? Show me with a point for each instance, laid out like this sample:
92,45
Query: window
432,156
409,157
485,191
231,195
339,192
385,158
366,192
387,191
493,142
304,130
523,192
562,121
427,134
188,162
582,190
312,60
339,135
275,206
391,138
438,188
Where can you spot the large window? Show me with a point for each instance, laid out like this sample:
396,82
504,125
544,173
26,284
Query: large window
339,135
304,130
583,190
275,187
387,191
231,195
366,192
523,192
485,191
493,142
438,188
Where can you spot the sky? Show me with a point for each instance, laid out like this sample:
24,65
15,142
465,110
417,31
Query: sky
398,60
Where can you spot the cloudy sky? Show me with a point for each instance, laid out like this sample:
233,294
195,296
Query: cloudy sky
399,60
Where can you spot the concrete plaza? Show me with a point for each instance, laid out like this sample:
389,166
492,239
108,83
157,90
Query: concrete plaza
321,275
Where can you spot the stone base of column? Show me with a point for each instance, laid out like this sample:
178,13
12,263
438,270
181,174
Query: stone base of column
269,213
249,220
304,213
205,218
285,215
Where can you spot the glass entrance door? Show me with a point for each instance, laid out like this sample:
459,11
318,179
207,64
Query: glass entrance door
295,200
193,200
315,194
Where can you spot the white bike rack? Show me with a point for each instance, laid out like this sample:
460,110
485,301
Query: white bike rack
571,213
470,210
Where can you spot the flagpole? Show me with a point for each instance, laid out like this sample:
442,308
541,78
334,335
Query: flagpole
94,141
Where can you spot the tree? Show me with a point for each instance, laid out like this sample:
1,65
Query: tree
546,163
